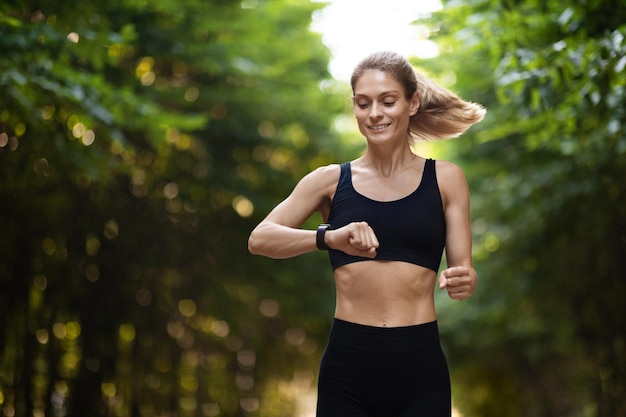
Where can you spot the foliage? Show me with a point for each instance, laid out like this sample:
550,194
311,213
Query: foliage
140,141
545,334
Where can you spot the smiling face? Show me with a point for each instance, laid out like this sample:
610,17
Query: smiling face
381,108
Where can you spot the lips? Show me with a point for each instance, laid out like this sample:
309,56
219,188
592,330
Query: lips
380,127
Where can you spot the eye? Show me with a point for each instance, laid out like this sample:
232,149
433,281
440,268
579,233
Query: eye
362,105
389,103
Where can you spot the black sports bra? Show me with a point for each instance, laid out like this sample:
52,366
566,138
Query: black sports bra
411,229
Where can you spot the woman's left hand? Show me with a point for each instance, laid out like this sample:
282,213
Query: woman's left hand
460,281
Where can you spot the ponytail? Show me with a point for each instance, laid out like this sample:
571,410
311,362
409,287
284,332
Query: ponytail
441,114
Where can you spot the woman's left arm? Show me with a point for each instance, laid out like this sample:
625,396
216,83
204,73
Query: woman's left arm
460,278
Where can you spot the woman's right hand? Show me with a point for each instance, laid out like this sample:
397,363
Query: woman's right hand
357,239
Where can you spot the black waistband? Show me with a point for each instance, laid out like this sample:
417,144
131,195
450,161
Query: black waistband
384,339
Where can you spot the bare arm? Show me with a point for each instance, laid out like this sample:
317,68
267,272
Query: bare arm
279,234
460,277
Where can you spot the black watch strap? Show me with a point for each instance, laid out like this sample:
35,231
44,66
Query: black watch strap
321,233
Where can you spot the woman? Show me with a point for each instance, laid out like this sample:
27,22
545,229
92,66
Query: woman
388,216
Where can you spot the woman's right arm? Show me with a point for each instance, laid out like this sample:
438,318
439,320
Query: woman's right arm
279,235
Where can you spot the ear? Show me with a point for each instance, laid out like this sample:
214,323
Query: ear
414,104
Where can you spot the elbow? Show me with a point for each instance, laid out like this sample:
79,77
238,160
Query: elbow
254,244
262,241
257,245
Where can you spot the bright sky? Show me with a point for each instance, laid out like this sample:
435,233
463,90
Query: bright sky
352,29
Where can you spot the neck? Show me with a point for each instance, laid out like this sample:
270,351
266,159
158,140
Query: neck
387,160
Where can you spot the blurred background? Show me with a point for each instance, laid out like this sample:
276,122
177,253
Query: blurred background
142,140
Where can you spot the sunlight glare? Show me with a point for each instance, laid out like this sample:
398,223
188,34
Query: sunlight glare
352,32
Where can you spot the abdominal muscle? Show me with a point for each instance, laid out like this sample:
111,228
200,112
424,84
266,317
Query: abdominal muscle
385,293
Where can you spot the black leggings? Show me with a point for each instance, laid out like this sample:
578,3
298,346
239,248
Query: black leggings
383,372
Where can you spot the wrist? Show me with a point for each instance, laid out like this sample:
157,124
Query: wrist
320,237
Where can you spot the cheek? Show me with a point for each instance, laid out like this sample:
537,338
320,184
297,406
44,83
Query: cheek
359,115
402,114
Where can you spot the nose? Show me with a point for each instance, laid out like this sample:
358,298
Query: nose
375,111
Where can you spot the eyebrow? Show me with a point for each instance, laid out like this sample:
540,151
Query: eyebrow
385,93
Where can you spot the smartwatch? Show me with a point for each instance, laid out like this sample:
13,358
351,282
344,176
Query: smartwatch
319,237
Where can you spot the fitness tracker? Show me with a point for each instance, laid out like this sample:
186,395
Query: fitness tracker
319,237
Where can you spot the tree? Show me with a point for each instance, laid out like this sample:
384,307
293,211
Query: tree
139,144
545,333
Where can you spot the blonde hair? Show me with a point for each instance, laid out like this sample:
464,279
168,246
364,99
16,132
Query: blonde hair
441,114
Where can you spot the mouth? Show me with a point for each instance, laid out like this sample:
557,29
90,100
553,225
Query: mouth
380,127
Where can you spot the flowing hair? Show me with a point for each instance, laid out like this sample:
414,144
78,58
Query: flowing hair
441,113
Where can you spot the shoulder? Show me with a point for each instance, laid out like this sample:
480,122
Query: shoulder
447,171
451,180
319,186
323,175
321,181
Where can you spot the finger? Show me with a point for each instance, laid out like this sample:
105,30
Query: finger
369,237
460,296
449,278
374,239
457,271
458,281
356,237
443,282
457,295
466,291
358,240
363,237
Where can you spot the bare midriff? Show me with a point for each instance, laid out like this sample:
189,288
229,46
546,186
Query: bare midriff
385,293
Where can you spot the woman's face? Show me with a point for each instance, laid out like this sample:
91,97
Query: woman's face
380,107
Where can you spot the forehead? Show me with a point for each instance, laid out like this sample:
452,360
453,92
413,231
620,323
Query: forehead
376,82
